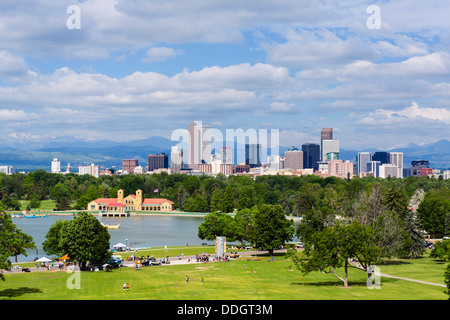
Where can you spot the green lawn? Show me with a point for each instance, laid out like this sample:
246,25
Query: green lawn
46,205
241,279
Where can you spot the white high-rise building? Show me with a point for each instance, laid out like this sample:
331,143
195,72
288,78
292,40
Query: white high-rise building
363,159
374,166
396,159
56,166
330,150
92,170
7,169
199,144
176,159
274,162
227,155
389,170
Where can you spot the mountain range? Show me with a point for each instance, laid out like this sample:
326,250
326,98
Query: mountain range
109,154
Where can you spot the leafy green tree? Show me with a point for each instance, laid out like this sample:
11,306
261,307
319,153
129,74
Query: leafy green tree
270,228
182,197
246,199
60,191
217,224
335,247
216,200
432,212
413,246
228,200
12,240
196,203
63,204
395,200
244,220
35,201
84,239
447,225
441,250
52,243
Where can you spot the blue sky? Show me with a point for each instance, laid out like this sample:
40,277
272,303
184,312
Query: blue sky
137,69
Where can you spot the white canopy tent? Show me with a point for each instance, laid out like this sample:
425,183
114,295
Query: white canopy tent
43,259
120,246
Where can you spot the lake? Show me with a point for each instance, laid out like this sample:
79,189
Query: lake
135,231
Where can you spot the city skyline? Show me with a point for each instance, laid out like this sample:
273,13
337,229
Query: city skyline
134,69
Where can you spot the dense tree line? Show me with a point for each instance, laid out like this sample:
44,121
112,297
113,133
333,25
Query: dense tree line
298,196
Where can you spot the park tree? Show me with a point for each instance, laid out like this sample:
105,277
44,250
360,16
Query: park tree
337,247
395,200
270,228
228,199
244,220
413,246
217,224
182,197
216,200
85,239
432,212
441,250
52,243
246,199
12,240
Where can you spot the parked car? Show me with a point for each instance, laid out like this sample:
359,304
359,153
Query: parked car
234,255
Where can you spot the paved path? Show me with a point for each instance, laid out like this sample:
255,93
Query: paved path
413,280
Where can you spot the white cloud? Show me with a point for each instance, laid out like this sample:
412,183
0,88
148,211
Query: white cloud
159,54
14,115
12,66
409,115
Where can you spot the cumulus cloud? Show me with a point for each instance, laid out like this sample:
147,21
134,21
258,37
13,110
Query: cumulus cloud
159,54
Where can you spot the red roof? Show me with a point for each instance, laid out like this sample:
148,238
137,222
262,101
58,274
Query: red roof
156,201
115,204
105,200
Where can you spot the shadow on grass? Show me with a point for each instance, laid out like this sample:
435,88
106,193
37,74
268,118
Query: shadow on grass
331,284
13,293
393,262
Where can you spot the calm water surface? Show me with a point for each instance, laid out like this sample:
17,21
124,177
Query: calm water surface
136,231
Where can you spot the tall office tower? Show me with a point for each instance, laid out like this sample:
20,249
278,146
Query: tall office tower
56,166
363,159
227,155
311,156
253,154
176,159
199,144
416,165
330,150
293,160
128,165
7,169
340,168
396,158
374,166
325,134
158,161
274,162
389,170
381,156
92,170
